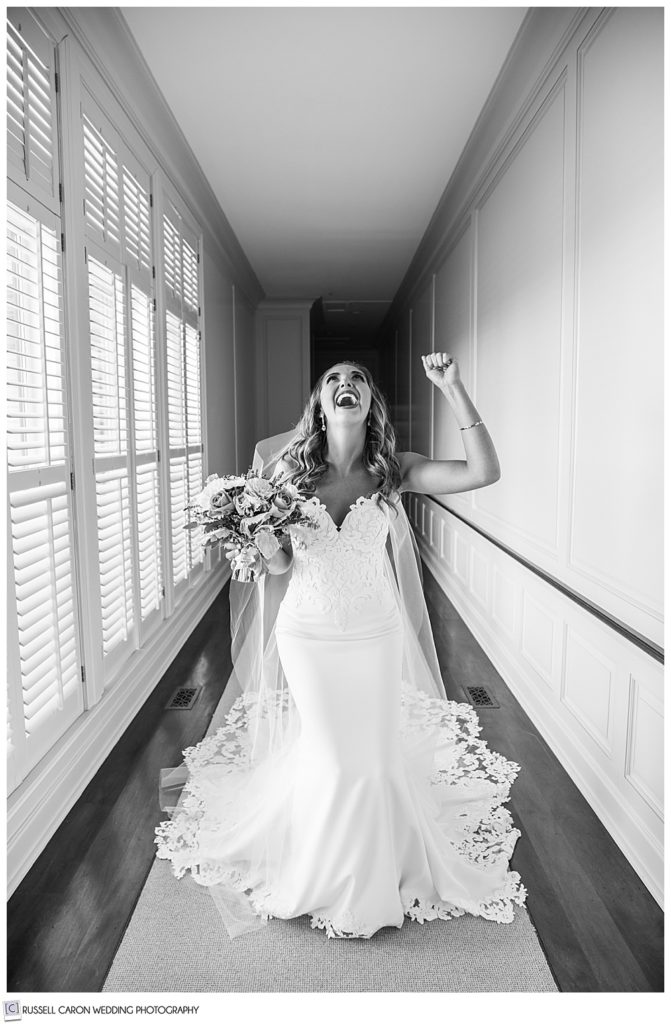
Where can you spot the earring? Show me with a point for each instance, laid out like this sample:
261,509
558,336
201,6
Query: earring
323,422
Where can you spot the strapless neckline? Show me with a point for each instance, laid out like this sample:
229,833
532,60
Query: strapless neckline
355,504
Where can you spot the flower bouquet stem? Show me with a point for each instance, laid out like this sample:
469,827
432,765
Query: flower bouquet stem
247,566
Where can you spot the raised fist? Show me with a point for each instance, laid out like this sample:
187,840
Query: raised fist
440,368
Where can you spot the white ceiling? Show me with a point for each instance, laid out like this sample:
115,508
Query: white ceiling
328,134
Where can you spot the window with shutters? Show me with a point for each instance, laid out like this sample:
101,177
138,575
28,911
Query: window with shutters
122,339
107,597
32,147
180,276
45,690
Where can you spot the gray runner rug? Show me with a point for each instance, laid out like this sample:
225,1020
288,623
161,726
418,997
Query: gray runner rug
176,942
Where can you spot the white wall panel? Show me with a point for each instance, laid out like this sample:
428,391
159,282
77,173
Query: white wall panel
587,687
518,331
461,558
645,742
446,543
433,529
421,387
504,602
539,629
480,577
618,481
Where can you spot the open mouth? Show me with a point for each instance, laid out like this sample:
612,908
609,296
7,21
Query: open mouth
346,400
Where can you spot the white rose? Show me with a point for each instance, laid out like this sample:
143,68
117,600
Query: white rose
259,486
266,542
213,486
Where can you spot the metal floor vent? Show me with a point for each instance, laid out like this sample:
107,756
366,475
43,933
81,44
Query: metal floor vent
479,697
183,698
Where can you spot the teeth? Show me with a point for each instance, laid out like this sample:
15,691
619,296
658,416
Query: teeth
346,399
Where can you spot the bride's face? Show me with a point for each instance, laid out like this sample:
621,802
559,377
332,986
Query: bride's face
345,395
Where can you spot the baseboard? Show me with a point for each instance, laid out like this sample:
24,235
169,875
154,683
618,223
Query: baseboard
633,837
44,798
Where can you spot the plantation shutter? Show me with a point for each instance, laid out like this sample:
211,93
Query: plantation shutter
183,365
150,557
45,685
107,325
124,388
32,150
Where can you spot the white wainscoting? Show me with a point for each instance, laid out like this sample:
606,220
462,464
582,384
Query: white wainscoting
596,698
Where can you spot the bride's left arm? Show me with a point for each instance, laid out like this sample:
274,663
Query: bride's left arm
449,476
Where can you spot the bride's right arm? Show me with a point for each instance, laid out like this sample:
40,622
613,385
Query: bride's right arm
276,563
281,560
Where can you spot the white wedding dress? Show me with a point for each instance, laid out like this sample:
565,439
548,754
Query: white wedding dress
385,804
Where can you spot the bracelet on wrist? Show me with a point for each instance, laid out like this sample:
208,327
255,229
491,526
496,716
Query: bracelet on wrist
476,424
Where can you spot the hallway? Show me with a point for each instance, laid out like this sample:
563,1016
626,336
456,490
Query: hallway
185,254
599,927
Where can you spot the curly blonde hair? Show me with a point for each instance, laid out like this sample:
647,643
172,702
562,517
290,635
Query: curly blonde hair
305,456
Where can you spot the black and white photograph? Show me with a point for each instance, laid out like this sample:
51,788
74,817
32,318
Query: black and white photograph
334,400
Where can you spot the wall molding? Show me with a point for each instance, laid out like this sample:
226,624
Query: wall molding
553,90
633,636
626,806
613,586
638,694
540,42
530,605
603,739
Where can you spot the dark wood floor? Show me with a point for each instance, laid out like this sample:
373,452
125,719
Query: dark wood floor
600,928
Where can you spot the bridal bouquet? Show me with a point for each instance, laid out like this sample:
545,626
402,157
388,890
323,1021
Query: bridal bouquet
250,512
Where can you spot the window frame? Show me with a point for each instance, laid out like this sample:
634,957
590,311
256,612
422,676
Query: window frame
164,195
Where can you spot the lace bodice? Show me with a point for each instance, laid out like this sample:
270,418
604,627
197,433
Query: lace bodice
338,572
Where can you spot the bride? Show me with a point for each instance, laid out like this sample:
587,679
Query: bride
344,785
